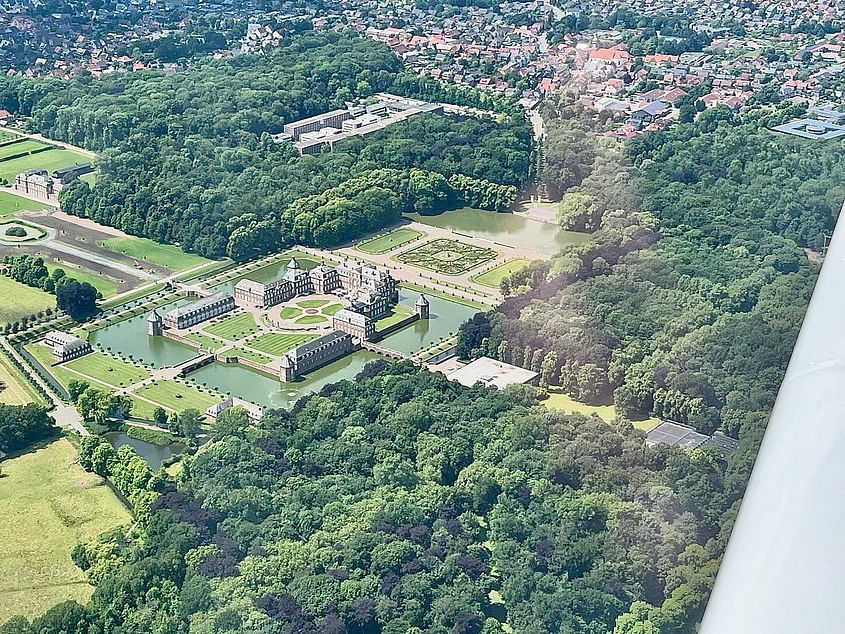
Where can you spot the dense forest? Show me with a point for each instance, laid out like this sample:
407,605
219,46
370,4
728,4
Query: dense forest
402,502
188,158
23,425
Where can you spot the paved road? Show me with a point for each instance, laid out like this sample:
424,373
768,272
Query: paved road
64,415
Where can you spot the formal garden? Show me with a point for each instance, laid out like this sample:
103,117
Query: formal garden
448,257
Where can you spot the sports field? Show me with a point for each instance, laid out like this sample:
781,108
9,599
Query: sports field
49,160
389,241
178,396
19,300
9,204
493,278
45,493
16,389
276,343
166,255
109,370
234,328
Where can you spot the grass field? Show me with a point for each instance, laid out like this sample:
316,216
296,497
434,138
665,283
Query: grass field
289,312
312,303
558,399
205,341
18,390
311,319
436,293
494,276
50,160
18,300
166,255
178,396
44,355
9,204
48,504
390,241
25,145
106,285
109,370
277,344
252,356
235,327
7,136
397,314
331,309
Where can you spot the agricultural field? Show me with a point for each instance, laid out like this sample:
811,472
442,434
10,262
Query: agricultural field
276,343
389,241
445,256
107,369
46,493
234,328
166,255
19,300
178,396
16,389
9,204
493,278
49,160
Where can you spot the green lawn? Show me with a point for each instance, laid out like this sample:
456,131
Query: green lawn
178,396
25,145
235,327
390,241
331,309
289,312
31,231
165,255
397,314
48,504
109,370
18,300
252,356
106,285
17,390
558,399
49,160
9,204
493,278
44,355
205,341
7,136
311,319
276,343
437,293
312,303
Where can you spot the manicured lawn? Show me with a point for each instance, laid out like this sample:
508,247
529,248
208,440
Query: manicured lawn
48,504
493,278
449,257
205,341
397,314
331,309
558,399
107,369
9,204
235,327
7,136
390,241
178,396
276,343
103,283
17,390
31,232
312,303
25,145
44,355
311,319
18,300
49,160
289,312
252,356
436,293
166,255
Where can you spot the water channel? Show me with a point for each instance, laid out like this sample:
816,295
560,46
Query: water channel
153,454
506,228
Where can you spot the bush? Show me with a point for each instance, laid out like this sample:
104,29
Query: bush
16,231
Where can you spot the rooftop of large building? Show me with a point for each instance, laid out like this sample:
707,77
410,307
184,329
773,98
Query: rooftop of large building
491,372
198,305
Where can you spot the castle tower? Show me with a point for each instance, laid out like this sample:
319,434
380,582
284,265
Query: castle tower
155,324
421,307
287,373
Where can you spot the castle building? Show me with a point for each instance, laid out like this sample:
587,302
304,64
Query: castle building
359,326
366,276
298,278
371,304
66,346
325,279
262,295
35,182
155,324
255,412
313,354
422,307
200,310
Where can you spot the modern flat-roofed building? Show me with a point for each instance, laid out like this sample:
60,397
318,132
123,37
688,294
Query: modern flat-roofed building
262,295
200,310
331,119
66,346
358,325
492,372
313,354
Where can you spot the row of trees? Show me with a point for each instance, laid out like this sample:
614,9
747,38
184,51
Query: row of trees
403,502
78,299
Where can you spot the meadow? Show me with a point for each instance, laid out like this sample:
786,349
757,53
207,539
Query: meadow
166,255
45,493
17,389
9,204
19,300
493,278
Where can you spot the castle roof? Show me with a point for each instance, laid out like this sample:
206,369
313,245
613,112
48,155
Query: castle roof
421,300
